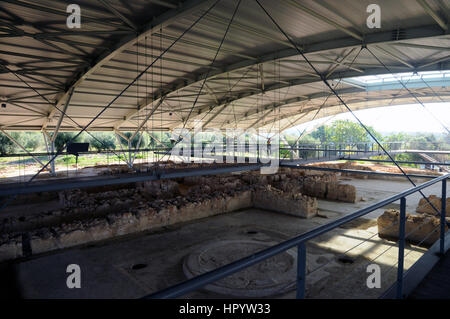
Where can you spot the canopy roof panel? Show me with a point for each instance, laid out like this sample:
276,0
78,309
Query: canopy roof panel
258,79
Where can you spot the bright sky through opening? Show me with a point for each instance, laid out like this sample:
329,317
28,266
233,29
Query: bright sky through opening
401,118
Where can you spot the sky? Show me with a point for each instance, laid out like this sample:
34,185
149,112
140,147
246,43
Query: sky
401,118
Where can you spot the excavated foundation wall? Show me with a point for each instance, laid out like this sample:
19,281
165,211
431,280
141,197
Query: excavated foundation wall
118,224
419,229
327,187
293,203
373,168
425,207
101,213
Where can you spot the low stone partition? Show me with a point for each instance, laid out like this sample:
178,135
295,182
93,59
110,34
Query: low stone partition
425,208
88,215
119,224
292,203
10,247
372,167
328,187
422,229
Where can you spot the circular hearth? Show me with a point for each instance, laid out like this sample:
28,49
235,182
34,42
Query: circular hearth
271,277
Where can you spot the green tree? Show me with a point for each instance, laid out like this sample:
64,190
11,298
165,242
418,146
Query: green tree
32,141
102,141
6,145
145,141
344,131
163,137
427,141
63,138
321,134
306,139
292,141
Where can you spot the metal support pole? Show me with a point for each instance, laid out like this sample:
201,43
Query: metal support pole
120,145
443,213
50,146
130,160
401,248
44,134
61,116
137,147
52,149
301,270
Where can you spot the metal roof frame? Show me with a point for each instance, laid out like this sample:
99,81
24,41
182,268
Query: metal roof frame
94,64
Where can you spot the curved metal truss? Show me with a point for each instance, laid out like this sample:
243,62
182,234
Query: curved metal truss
258,78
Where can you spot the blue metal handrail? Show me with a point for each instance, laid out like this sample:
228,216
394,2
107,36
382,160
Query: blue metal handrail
300,241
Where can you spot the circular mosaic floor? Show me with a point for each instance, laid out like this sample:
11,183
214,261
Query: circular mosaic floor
271,277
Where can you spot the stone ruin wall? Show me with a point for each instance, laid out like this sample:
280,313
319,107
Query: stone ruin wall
372,168
425,208
327,187
101,213
422,228
291,203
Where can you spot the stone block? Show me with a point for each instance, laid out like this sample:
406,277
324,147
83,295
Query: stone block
426,208
42,241
10,248
418,228
288,203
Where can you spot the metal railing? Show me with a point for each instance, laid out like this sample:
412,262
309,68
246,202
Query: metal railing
314,147
301,240
323,150
24,163
326,151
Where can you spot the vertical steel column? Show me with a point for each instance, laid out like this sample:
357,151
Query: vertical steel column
119,142
130,161
50,146
52,149
138,145
44,134
61,116
443,212
401,248
301,270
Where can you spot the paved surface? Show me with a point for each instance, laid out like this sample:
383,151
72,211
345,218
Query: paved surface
133,266
436,285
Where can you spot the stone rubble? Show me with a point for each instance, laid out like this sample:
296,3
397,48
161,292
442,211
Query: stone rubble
373,167
105,212
291,203
425,208
327,187
418,228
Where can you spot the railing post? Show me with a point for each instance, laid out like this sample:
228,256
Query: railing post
443,212
401,248
301,270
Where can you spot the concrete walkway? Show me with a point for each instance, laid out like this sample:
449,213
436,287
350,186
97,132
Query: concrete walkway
436,285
